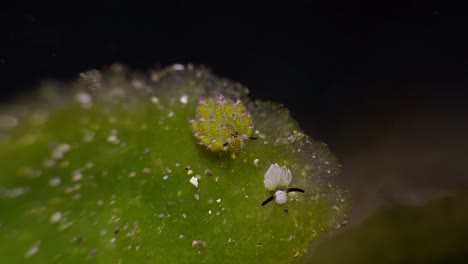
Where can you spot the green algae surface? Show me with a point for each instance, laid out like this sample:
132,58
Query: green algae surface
101,170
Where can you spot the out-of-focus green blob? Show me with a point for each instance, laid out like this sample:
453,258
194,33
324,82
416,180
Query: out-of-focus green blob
106,169
435,232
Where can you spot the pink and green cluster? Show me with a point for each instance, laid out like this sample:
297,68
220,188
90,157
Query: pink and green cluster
222,124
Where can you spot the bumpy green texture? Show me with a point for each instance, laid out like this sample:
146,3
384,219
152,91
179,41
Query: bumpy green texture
221,124
99,170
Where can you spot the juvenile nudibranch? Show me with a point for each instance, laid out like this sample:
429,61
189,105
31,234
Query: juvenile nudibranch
222,124
277,180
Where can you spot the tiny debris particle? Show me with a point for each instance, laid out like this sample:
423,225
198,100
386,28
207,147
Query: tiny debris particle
154,100
13,193
117,230
33,250
77,240
77,176
65,226
328,171
132,174
189,172
55,181
198,243
165,177
197,196
171,114
161,215
146,170
184,99
93,252
255,162
184,215
84,99
178,67
209,211
113,139
60,150
194,181
73,188
181,236
100,203
55,217
208,172
218,200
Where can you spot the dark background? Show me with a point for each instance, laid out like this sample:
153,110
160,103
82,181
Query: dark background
383,83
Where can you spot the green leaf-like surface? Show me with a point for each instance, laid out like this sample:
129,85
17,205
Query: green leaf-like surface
99,170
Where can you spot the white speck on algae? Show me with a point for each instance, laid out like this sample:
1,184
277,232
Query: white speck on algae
178,67
194,181
255,162
85,99
65,225
33,250
77,176
154,100
13,192
113,138
198,243
55,217
184,99
60,150
56,181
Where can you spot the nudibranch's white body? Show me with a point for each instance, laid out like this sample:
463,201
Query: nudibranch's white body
277,177
277,180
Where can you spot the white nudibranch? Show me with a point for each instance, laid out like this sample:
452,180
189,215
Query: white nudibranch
277,180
